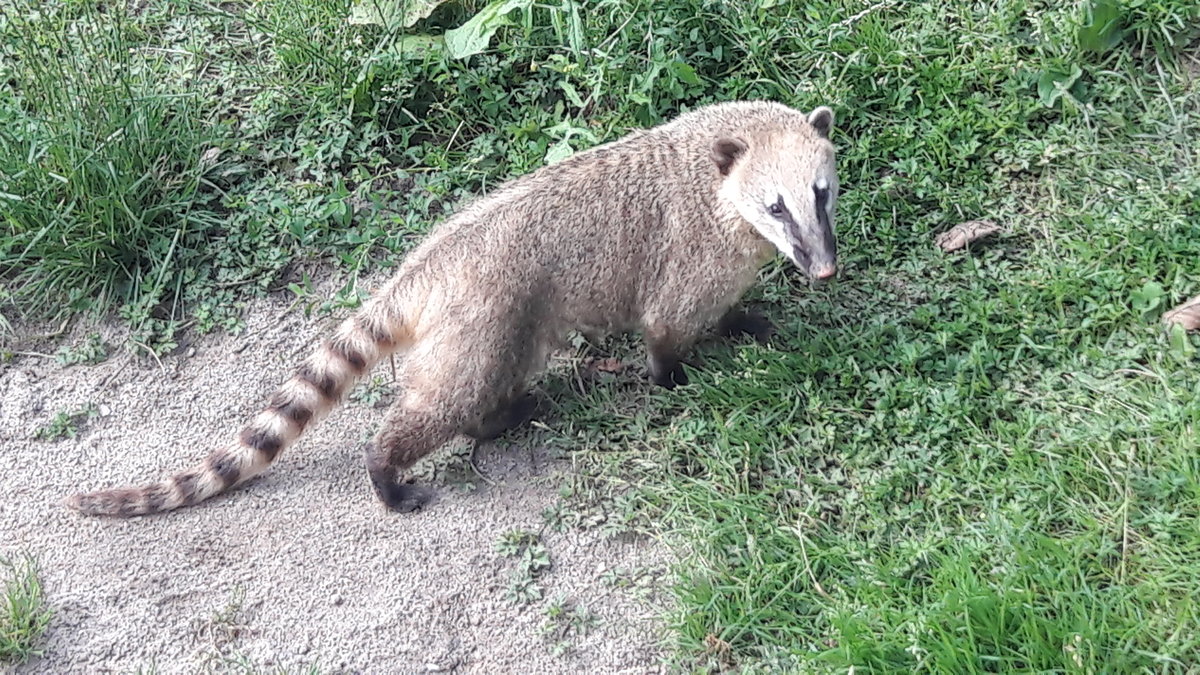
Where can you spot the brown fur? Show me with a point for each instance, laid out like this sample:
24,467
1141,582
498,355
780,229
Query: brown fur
660,232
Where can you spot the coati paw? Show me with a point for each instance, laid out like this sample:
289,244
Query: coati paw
747,322
406,497
399,497
524,409
669,377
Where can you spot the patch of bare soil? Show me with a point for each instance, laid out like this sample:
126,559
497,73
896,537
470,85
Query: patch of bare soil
302,565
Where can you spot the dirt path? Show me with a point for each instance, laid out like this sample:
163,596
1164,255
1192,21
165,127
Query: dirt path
302,565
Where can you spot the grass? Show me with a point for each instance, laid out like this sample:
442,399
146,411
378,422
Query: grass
23,614
943,463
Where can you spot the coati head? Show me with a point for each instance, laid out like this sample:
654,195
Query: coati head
783,181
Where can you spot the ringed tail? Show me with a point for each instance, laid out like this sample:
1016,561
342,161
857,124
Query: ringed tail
317,386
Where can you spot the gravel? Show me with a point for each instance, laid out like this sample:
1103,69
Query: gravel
302,565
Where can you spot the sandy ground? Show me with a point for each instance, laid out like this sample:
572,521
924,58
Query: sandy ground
304,563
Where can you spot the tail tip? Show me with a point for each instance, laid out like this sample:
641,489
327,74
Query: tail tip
94,503
76,502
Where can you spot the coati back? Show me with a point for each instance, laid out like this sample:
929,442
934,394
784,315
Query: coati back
661,231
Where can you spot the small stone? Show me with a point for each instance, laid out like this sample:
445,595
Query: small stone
1186,315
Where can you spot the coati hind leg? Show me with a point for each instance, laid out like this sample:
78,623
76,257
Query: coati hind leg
415,426
475,393
418,424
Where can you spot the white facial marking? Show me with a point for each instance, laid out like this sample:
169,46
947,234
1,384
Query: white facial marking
756,215
789,200
773,229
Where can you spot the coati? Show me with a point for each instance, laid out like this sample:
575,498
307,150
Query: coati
661,231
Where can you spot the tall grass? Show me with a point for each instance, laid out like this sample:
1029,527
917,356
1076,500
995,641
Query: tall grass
24,615
102,164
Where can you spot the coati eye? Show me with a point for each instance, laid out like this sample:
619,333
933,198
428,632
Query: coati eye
777,209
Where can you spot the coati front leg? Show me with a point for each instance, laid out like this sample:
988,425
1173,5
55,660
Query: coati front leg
666,344
745,322
512,413
664,349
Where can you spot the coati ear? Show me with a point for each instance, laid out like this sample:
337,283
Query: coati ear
822,120
725,151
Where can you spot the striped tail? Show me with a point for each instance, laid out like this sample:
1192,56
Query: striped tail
317,386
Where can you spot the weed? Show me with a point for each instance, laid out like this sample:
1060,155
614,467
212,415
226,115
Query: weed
375,392
66,424
220,634
225,625
532,561
565,622
643,583
92,351
25,615
240,664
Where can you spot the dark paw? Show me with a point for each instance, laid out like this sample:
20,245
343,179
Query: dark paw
406,497
669,378
399,497
749,323
524,409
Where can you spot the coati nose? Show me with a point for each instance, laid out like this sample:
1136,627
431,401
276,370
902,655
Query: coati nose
823,271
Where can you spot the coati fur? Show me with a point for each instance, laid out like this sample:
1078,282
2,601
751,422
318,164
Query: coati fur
661,231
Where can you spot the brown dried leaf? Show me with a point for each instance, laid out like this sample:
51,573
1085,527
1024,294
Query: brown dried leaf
607,365
716,646
1186,315
964,233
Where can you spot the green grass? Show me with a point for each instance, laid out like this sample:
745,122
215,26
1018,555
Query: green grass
23,612
981,462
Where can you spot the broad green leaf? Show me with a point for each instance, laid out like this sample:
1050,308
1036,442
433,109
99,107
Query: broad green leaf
559,151
1180,345
1148,297
562,148
1102,28
473,36
405,13
572,94
1055,81
684,72
417,46
575,32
